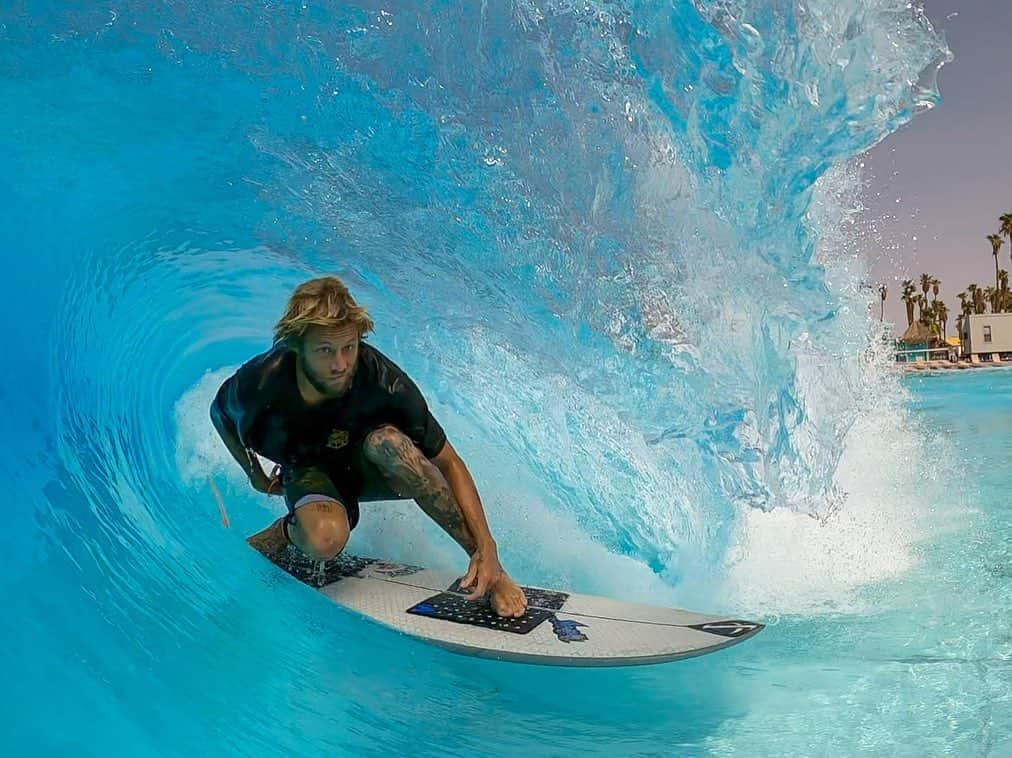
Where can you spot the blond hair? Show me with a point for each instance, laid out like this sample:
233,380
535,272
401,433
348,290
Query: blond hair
320,302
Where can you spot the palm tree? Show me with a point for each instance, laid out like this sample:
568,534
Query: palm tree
996,242
1004,296
926,284
942,311
908,300
964,304
976,298
1005,227
931,317
882,292
934,287
989,296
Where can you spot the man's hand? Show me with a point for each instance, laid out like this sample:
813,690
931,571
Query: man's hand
483,572
269,485
486,575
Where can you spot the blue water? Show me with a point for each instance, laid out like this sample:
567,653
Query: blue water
614,243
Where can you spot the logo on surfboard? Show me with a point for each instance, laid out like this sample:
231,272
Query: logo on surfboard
568,630
733,628
393,570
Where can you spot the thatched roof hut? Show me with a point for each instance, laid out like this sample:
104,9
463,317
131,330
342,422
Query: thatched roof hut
918,333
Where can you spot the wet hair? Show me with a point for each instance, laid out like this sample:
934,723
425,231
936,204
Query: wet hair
322,302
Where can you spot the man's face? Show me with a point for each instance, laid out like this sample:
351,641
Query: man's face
328,358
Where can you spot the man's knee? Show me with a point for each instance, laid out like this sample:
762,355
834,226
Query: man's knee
399,461
388,445
324,529
325,542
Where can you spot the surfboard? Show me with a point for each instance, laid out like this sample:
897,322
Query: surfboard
558,629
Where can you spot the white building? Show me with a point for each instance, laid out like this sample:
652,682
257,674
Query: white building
987,333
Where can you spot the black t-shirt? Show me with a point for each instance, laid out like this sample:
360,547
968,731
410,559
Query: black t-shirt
263,402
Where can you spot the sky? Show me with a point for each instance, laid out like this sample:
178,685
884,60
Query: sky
937,186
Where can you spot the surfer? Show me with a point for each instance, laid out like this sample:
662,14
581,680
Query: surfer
347,425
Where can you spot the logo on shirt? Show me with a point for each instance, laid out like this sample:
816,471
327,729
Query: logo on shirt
338,438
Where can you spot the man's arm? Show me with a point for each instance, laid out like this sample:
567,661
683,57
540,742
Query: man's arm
229,434
461,484
453,500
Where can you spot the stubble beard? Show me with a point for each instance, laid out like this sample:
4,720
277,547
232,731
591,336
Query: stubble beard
322,386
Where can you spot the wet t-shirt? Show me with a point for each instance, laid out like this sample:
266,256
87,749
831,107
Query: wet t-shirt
262,400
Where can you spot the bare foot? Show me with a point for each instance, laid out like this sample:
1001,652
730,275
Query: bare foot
507,598
270,542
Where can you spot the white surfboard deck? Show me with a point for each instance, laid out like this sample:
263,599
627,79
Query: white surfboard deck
568,629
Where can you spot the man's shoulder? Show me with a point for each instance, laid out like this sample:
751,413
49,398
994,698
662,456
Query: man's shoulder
247,392
382,372
264,372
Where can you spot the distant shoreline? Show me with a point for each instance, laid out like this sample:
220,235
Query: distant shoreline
963,365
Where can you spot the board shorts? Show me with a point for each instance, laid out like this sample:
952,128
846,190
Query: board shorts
349,485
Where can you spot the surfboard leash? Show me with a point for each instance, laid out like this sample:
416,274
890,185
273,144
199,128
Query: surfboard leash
221,503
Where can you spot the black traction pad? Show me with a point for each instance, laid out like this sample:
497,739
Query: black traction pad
451,606
447,606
